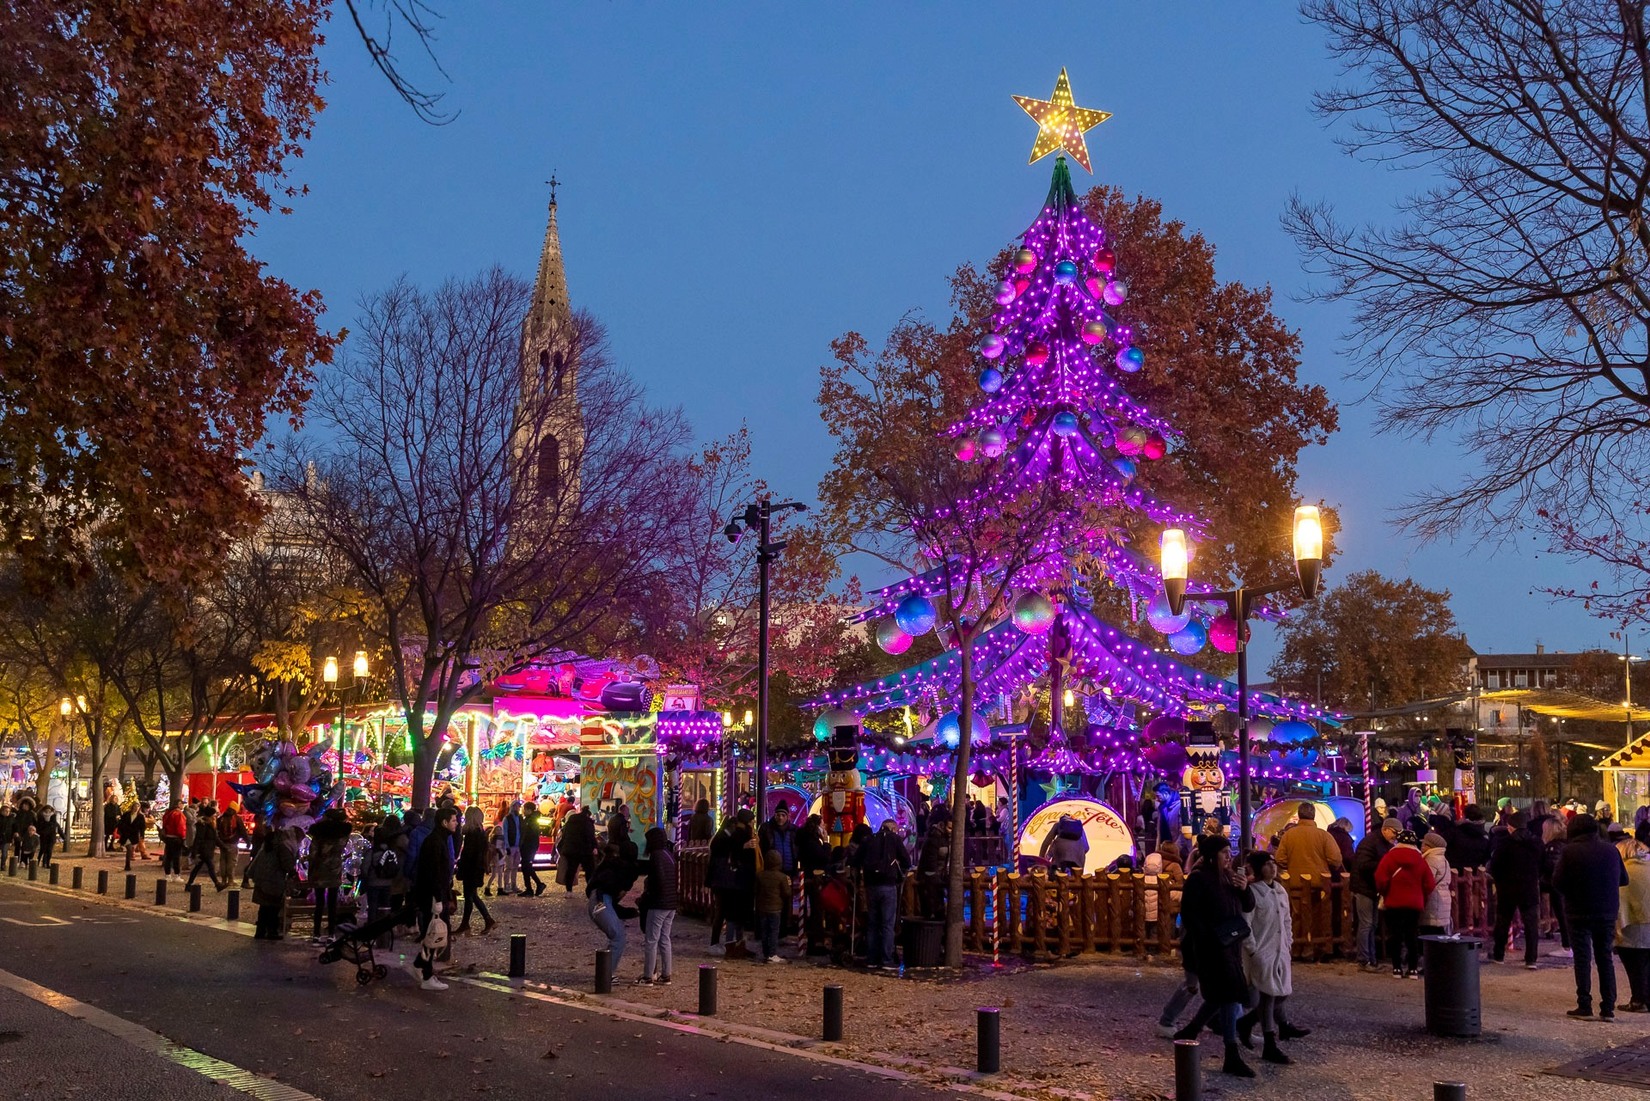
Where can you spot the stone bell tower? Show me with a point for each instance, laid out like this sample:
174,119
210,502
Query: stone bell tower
552,432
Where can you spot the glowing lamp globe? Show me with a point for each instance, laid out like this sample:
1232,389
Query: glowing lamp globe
949,729
1130,439
991,380
992,345
891,638
966,449
826,724
1130,360
1005,293
1291,732
1125,468
915,615
1117,292
1037,353
1025,261
1162,619
1155,447
1095,332
1189,639
1033,613
1105,261
992,442
1064,423
1065,271
1223,633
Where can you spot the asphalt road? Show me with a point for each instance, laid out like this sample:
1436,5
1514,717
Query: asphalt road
274,1011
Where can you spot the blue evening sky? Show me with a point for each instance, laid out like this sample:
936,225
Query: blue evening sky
743,182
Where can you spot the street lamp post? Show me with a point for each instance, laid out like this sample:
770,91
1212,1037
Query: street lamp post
65,707
1240,604
329,674
759,518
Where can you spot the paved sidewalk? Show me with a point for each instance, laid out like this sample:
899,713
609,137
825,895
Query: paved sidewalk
1085,1025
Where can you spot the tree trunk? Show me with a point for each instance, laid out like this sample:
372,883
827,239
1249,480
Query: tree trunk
959,810
94,796
425,751
174,776
43,771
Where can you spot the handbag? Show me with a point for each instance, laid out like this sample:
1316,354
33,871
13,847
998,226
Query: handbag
1232,930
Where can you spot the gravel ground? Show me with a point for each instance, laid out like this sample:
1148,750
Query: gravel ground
1084,1025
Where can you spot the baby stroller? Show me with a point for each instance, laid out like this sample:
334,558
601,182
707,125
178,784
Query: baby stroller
355,943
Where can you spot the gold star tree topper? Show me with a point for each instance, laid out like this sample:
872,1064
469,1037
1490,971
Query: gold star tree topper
1061,123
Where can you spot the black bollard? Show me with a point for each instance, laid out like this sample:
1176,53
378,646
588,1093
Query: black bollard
51,874
194,898
11,866
103,882
160,892
128,858
1449,1091
707,990
234,904
518,955
77,877
34,871
604,971
1188,1072
989,1026
833,1013
131,885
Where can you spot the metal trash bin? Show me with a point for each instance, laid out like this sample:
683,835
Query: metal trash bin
1454,1005
923,941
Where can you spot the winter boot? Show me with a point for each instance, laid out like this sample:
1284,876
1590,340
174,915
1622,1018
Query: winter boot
1270,1052
1290,1032
1234,1065
463,927
487,925
1246,1029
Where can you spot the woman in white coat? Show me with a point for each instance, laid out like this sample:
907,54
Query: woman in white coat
1266,959
1439,916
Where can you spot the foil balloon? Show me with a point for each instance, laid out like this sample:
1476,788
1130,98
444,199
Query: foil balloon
1164,728
1290,732
827,723
1169,757
1033,613
949,729
915,615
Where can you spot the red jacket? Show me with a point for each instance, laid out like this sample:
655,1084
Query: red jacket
174,824
1404,879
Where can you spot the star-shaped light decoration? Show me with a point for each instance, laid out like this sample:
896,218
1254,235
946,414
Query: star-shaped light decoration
1061,123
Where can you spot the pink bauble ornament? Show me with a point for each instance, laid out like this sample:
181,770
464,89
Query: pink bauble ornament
1105,261
967,448
1155,447
1037,353
1096,287
1025,261
1223,633
1094,332
1130,439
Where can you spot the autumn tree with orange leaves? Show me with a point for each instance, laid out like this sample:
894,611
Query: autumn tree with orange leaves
143,349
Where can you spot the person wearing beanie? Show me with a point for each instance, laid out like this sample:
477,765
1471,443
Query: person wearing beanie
1212,915
1438,919
1404,881
1515,869
1589,878
1469,845
1366,858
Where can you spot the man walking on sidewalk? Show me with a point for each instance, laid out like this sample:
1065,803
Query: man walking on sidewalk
1589,877
509,829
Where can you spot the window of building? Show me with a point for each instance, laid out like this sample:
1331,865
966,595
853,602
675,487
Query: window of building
549,467
1492,681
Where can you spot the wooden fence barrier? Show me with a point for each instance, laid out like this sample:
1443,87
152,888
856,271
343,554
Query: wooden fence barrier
1042,914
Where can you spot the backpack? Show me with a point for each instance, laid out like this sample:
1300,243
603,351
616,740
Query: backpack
384,866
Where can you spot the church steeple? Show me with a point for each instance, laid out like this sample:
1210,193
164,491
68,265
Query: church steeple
550,308
552,437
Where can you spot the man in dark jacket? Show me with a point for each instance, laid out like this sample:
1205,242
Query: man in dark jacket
813,857
509,829
1589,877
778,834
576,848
1515,868
883,861
433,888
1469,846
1365,859
531,885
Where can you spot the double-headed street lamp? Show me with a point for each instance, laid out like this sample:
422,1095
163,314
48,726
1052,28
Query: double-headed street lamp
1240,603
758,518
329,674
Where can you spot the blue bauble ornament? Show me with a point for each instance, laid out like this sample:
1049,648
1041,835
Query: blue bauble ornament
1065,271
1130,360
1034,613
1125,468
949,729
1293,732
915,615
1189,639
992,345
1164,620
991,380
1064,423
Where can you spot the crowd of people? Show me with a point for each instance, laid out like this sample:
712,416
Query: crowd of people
29,832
